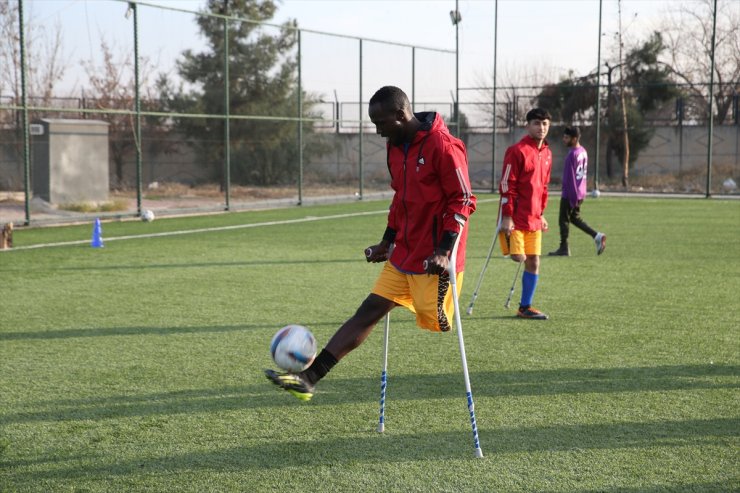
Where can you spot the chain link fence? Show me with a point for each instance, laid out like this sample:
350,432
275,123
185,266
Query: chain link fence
209,111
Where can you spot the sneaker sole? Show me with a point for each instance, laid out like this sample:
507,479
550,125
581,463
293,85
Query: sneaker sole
304,396
543,317
300,395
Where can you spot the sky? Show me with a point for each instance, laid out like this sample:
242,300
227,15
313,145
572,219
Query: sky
536,40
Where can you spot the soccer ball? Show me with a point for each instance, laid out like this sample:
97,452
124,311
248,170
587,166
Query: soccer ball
596,193
293,348
147,216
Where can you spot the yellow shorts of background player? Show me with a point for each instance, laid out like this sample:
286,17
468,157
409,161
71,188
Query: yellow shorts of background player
428,296
521,243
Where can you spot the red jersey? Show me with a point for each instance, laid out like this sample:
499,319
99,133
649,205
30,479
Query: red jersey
432,194
524,181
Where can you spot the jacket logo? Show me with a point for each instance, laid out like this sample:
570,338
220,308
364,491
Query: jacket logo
421,160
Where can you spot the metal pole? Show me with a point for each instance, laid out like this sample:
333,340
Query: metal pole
24,121
493,147
598,105
227,114
336,110
457,70
711,100
300,125
413,77
679,104
360,131
137,107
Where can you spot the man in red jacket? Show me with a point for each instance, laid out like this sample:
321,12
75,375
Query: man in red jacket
523,188
431,204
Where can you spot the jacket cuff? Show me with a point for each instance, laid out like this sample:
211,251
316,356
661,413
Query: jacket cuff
389,235
448,240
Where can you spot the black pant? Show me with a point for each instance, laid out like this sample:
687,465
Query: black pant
569,215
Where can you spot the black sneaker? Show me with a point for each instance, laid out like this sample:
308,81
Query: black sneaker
531,313
291,382
560,252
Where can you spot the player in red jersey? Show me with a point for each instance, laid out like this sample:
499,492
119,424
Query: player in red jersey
523,188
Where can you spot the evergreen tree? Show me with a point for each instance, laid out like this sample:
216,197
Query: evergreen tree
648,87
571,99
262,82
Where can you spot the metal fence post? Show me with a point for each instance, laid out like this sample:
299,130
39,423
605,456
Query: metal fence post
137,107
711,103
493,125
362,182
24,102
598,106
300,125
227,113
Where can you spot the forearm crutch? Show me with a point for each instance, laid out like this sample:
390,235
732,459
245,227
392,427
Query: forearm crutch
384,374
458,323
488,257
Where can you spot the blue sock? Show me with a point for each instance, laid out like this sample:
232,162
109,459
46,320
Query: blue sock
529,284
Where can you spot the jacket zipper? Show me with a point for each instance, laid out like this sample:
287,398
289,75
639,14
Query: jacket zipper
405,207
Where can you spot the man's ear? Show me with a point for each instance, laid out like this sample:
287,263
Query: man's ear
402,116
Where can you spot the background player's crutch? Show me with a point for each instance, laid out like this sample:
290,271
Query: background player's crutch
451,269
384,375
513,284
488,258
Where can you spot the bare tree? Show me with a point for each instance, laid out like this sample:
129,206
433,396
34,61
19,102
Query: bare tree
516,92
687,30
112,87
45,60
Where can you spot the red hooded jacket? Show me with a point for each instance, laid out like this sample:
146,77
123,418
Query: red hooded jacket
524,181
432,195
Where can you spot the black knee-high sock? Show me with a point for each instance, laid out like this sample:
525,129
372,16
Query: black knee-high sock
324,362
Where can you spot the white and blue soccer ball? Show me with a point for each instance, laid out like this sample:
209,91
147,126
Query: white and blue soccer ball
293,348
147,216
596,193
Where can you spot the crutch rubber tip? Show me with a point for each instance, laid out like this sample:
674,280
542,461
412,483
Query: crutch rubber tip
479,453
381,428
470,310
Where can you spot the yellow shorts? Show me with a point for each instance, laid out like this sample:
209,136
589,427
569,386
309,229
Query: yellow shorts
521,243
428,296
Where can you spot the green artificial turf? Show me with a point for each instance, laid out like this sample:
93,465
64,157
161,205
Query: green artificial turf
138,366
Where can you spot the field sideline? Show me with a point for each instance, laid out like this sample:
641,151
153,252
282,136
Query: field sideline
138,366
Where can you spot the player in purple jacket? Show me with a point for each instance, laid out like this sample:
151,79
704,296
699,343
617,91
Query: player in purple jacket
575,176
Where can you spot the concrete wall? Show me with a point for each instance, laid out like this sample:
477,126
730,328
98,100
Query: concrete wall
673,151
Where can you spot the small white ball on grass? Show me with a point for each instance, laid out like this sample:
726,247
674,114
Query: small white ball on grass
147,216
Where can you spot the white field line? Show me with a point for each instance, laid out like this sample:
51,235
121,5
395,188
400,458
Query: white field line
200,230
210,230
